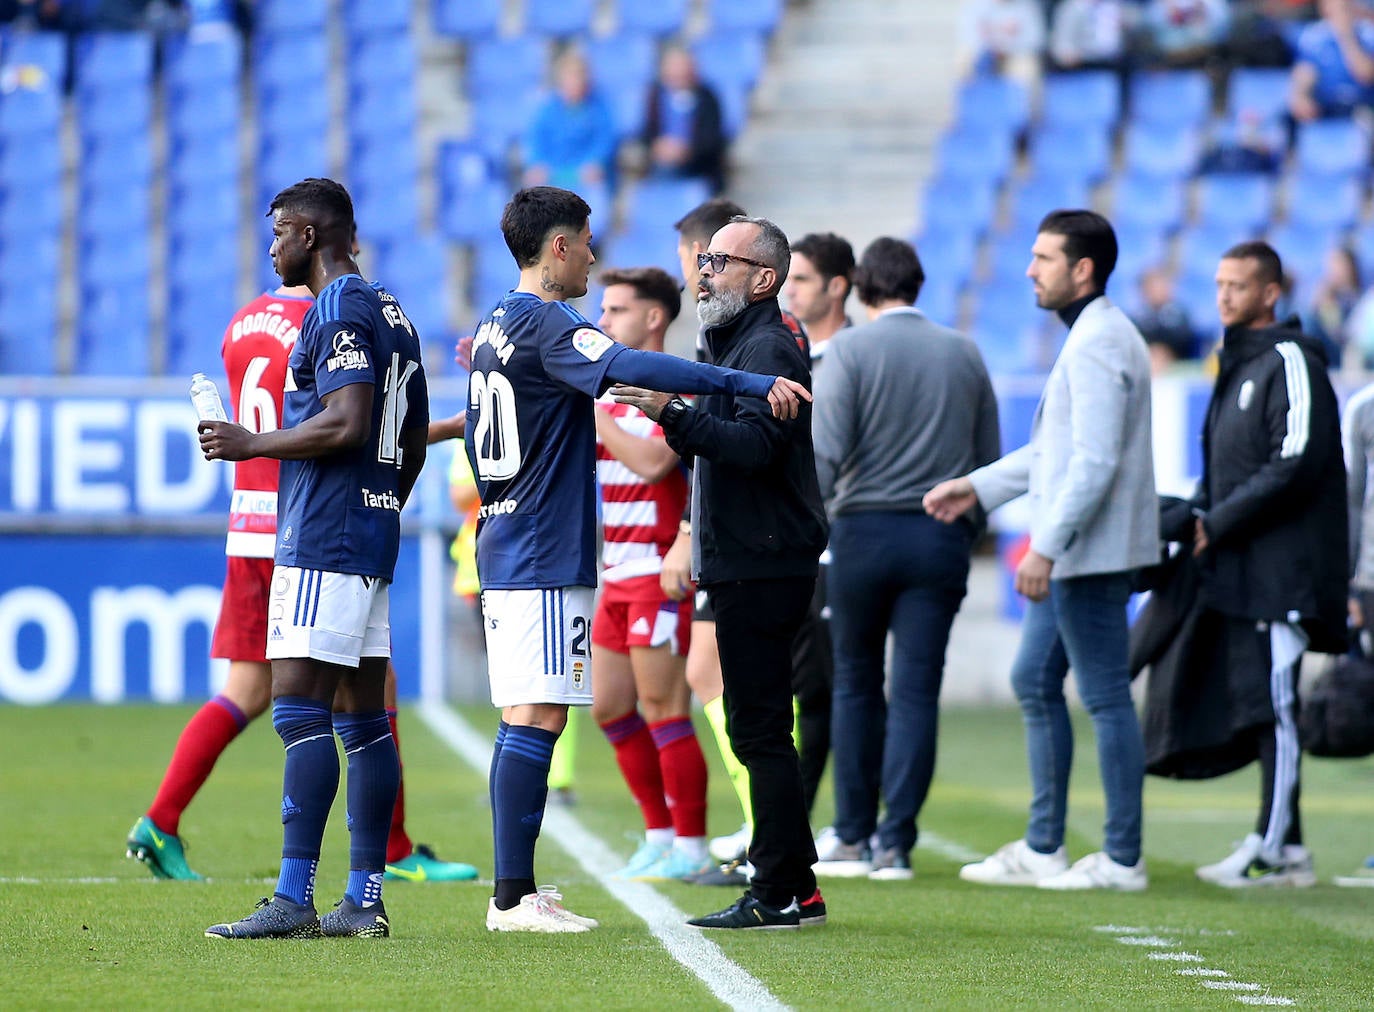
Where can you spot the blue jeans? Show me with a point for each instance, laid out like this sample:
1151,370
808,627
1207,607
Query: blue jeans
905,573
1082,624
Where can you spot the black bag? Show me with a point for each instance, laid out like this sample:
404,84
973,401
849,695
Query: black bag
1337,715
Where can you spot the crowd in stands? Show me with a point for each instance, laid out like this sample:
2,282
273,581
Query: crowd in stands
1194,124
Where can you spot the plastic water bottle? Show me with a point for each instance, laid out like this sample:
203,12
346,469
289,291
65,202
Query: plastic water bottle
205,397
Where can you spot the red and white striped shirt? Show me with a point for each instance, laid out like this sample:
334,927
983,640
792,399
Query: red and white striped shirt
639,520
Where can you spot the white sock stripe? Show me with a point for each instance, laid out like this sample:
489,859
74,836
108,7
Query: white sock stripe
1299,399
313,737
354,751
1287,751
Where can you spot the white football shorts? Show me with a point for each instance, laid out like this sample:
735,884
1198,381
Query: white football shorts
334,617
539,645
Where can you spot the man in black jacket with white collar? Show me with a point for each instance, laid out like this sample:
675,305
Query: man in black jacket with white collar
1269,529
757,532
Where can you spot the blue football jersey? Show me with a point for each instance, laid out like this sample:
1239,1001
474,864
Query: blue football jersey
531,438
342,513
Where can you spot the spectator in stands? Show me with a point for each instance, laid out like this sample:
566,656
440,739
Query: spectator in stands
571,141
1333,73
818,286
684,133
1248,143
1182,33
1088,34
1163,321
902,404
31,13
1002,37
1338,292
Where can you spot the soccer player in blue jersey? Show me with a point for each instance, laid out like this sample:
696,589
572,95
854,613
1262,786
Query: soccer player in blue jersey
352,444
537,365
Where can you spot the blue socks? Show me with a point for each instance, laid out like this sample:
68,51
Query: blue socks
309,783
374,773
520,787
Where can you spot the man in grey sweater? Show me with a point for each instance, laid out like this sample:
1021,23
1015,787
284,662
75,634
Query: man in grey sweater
901,404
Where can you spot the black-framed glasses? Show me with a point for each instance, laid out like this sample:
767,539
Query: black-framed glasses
719,260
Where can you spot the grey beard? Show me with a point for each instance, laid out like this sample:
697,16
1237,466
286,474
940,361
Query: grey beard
722,307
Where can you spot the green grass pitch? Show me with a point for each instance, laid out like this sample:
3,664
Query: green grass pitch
82,927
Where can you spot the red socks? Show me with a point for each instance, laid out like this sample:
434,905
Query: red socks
684,774
398,844
206,735
638,758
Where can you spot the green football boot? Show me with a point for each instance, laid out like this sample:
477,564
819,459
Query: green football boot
162,852
420,865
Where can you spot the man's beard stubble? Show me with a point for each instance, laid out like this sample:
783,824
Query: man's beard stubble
723,306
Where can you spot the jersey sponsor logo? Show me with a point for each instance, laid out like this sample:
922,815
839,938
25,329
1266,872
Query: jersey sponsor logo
347,354
501,507
492,334
381,500
590,344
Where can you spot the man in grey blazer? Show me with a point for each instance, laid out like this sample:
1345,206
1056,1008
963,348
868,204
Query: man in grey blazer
901,404
1089,474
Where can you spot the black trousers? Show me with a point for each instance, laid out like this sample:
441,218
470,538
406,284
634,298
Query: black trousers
813,684
756,625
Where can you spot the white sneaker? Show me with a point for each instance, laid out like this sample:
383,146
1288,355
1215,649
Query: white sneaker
837,859
1363,878
1098,871
1293,868
1015,864
541,911
1234,865
732,846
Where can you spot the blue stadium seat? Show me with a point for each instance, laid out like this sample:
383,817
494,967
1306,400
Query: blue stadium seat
1333,147
383,56
385,160
28,161
113,330
1035,196
1258,91
105,60
744,15
951,203
471,198
298,64
629,111
499,121
42,52
110,211
290,18
1321,202
205,204
1079,152
1178,98
1004,326
114,259
1008,256
975,154
1165,151
117,161
201,65
1086,99
30,261
734,106
416,271
493,274
211,113
1243,203
198,307
364,16
940,300
558,17
28,330
662,17
1196,288
1304,248
29,208
949,253
504,68
27,112
726,60
1200,247
197,252
1140,247
213,158
657,203
626,60
384,212
467,19
1149,202
988,102
285,111
119,111
643,247
388,109
285,159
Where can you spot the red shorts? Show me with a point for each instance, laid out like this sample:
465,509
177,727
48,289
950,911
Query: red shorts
636,613
241,632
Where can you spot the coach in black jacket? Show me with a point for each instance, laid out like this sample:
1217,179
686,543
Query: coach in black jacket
758,532
1270,532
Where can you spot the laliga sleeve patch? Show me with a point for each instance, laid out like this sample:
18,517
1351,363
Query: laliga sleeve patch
591,344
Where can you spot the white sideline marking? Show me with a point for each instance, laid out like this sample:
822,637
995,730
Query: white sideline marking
1176,957
1201,971
1220,979
1229,985
698,954
937,844
1264,999
1153,941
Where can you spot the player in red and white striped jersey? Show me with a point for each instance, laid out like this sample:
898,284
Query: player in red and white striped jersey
640,635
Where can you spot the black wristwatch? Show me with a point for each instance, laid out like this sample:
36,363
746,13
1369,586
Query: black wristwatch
672,412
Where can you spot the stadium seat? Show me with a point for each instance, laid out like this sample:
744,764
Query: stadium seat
27,112
657,203
44,54
212,158
493,274
295,64
467,19
415,269
499,122
112,60
1196,288
730,60
117,161
385,160
32,260
734,106
121,110
1149,202
1243,203
26,208
1200,247
558,17
286,111
975,154
951,203
989,102
364,16
1259,91
286,159
642,247
1316,201
199,114
621,61
205,204
381,56
744,15
28,161
661,17
382,112
383,211
953,252
201,65
1035,196
1167,151
112,331
28,330
198,307
1079,152
503,69
111,211
1004,325
1304,249
1171,98
1139,248
1008,256
940,300
1087,99
1333,147
290,18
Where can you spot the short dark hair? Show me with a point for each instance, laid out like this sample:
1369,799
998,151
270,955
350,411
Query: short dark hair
889,269
325,201
770,246
1086,235
706,219
536,211
650,283
831,255
1270,266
